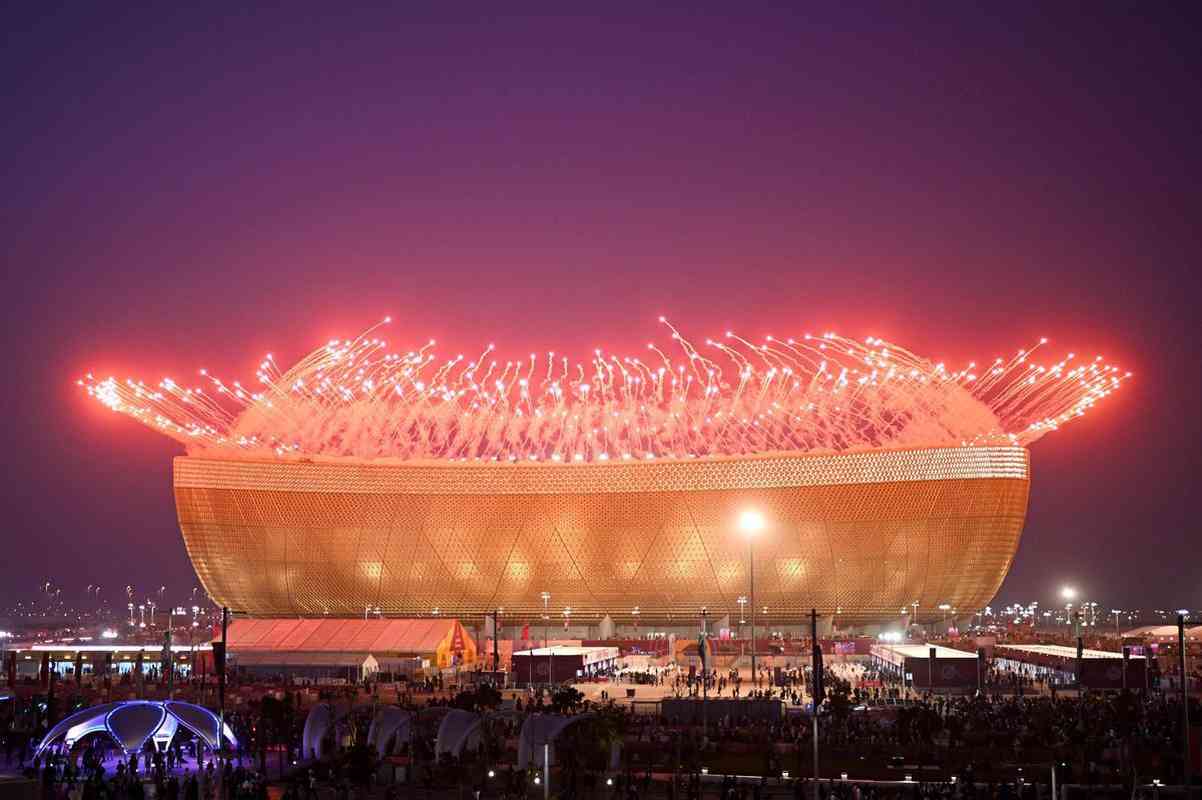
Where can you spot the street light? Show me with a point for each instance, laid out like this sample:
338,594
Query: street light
945,607
1069,594
546,596
751,523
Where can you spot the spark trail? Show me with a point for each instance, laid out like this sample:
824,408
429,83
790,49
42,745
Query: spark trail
356,399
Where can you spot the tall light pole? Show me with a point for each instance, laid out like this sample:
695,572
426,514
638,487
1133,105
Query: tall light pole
1069,594
751,523
818,688
742,601
1185,760
219,663
702,646
496,642
546,596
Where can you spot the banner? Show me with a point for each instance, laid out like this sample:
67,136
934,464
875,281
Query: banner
942,673
219,658
166,663
1107,673
818,669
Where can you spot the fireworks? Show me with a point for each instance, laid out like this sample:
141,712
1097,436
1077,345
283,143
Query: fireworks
726,397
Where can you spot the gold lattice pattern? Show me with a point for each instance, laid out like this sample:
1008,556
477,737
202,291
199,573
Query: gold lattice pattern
860,535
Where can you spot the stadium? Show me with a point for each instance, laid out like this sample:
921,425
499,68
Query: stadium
861,535
360,480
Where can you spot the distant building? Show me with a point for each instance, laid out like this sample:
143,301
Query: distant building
313,650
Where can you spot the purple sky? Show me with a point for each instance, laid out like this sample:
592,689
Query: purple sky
188,189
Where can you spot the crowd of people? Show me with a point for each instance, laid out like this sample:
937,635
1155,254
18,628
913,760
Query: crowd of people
1093,739
92,773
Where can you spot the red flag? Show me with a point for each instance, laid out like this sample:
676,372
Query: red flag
526,632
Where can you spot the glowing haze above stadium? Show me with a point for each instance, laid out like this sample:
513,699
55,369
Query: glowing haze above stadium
727,396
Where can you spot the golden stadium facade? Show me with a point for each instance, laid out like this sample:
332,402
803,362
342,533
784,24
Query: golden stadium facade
861,535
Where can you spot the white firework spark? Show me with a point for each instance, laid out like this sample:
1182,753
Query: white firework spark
357,399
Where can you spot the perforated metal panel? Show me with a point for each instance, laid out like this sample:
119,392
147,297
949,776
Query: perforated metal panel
860,535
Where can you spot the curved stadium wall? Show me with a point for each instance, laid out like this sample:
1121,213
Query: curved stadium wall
858,535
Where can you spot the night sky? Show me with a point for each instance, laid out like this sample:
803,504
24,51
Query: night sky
190,188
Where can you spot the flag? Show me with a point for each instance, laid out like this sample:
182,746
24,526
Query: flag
165,654
526,632
703,649
819,689
218,658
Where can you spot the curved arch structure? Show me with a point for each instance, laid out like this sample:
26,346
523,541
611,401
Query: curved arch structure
457,730
132,723
539,730
859,535
389,728
318,723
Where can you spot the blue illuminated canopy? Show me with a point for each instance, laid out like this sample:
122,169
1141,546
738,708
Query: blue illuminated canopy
132,723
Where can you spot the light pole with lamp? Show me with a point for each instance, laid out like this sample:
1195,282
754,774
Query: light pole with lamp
742,601
1181,666
546,596
1069,594
702,647
751,523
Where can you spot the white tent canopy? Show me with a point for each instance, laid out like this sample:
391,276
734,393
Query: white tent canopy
388,729
457,730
